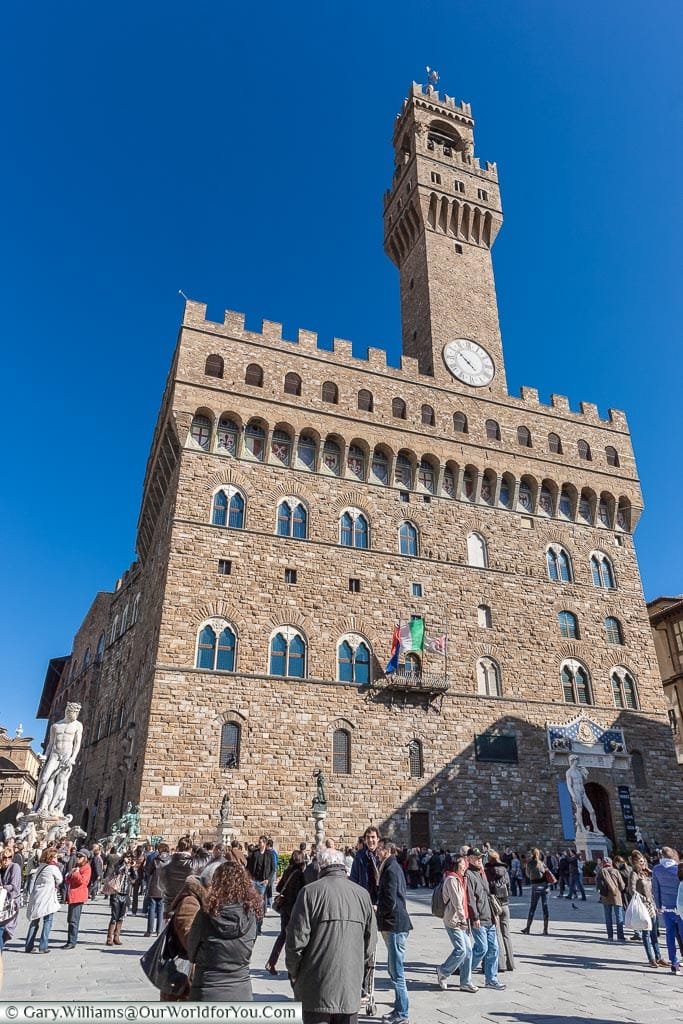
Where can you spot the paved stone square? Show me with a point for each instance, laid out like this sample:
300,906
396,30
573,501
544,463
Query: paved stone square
571,977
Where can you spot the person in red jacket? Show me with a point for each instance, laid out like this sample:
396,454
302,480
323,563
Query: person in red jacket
77,882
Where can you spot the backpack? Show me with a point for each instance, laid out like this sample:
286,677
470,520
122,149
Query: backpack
438,902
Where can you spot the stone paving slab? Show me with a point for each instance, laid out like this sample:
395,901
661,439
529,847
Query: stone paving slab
574,976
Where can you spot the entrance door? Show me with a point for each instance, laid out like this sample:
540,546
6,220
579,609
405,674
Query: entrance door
419,828
599,797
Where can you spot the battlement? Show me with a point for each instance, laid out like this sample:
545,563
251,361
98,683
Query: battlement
271,333
429,93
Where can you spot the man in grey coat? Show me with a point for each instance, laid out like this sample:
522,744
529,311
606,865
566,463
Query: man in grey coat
331,938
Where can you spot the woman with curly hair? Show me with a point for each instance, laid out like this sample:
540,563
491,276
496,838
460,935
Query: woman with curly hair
222,936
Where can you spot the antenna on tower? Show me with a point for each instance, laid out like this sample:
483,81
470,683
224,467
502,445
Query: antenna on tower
181,292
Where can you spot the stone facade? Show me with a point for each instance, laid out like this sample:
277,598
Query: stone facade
19,769
666,619
249,415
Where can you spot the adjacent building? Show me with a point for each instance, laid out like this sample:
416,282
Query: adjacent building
19,770
666,619
299,502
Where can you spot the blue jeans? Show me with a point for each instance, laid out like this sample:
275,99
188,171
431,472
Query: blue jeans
396,954
44,935
73,919
608,909
576,883
673,923
486,948
461,957
651,942
155,914
261,887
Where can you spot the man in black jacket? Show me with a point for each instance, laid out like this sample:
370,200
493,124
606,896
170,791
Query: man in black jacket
484,931
365,867
394,923
261,865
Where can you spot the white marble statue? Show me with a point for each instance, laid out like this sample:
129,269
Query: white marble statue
576,778
62,750
8,832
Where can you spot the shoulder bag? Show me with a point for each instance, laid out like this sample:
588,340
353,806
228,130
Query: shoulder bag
159,964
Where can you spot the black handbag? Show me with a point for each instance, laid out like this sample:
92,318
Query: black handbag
160,967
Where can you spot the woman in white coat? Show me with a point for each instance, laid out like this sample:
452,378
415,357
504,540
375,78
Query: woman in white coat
43,903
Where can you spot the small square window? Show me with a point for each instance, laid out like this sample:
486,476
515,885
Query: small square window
404,495
224,566
354,585
526,522
436,178
483,194
416,589
619,541
458,248
426,498
290,576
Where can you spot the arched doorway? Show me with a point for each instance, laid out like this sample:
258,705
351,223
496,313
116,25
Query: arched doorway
599,797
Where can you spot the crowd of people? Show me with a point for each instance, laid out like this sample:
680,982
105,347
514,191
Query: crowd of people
212,900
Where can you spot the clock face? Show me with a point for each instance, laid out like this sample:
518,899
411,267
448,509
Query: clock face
469,362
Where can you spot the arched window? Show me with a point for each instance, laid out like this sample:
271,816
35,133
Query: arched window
228,432
292,384
469,480
200,431
353,661
292,519
353,529
575,682
638,769
355,461
229,756
403,471
341,752
602,572
426,477
623,509
448,483
99,653
526,497
584,450
612,456
86,658
136,609
228,509
216,647
332,457
330,392
554,444
288,653
558,564
524,437
305,452
624,689
613,631
408,540
427,416
365,401
604,513
213,366
380,467
569,625
255,441
477,554
281,447
124,619
492,430
507,489
460,423
488,678
415,760
585,508
254,375
412,666
484,617
398,409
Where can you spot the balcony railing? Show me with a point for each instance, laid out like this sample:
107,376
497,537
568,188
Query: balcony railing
415,682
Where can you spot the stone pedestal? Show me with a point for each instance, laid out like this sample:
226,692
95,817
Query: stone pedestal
593,845
40,825
319,819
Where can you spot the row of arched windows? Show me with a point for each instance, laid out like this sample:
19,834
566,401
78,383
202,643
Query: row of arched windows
365,402
119,624
569,628
404,470
288,649
292,520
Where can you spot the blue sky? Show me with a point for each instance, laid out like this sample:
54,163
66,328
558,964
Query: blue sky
241,153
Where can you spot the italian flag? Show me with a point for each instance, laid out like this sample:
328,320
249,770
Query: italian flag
412,635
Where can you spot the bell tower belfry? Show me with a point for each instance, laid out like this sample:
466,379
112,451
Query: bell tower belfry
441,217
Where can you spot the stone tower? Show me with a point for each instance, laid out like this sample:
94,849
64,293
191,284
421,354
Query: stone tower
441,218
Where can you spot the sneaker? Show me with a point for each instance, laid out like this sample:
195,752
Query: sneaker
496,984
469,988
69,945
441,979
677,970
